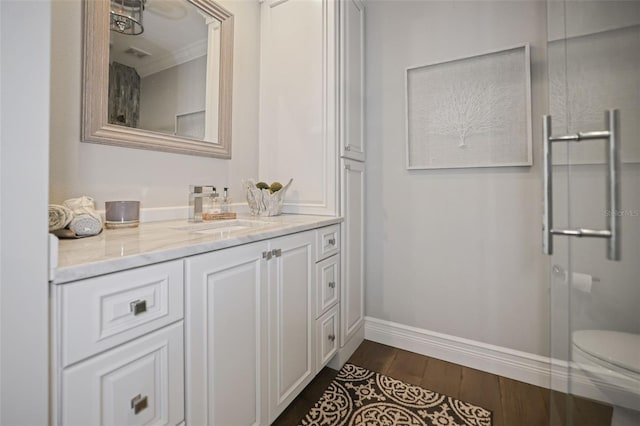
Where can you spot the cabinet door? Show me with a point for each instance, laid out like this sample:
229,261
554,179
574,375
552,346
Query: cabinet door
352,300
291,318
352,79
226,330
139,383
298,99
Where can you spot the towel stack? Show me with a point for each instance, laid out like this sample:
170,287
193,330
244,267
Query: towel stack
75,218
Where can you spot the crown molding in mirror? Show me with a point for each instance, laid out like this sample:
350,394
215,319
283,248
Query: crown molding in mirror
95,94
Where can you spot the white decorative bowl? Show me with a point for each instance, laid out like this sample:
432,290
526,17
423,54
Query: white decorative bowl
262,202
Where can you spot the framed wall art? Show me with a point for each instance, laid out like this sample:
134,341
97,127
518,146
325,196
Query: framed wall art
470,112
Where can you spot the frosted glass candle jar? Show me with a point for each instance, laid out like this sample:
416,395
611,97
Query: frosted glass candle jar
122,214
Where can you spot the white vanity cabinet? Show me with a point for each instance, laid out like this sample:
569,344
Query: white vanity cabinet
252,326
117,353
226,336
304,309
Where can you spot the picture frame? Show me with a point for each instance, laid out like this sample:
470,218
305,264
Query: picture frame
470,112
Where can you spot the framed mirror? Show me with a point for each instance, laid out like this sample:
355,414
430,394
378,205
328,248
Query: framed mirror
158,75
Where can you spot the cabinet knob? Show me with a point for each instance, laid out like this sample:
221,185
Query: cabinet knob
331,337
332,241
267,255
138,307
139,403
277,252
347,148
332,284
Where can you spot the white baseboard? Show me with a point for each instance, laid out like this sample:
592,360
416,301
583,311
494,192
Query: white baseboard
522,366
517,365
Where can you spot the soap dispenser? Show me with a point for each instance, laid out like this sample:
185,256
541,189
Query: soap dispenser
224,208
211,205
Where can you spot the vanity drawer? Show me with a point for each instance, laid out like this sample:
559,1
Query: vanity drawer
327,329
99,313
139,383
327,284
327,241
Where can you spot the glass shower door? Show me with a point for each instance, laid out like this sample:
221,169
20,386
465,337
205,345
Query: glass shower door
593,235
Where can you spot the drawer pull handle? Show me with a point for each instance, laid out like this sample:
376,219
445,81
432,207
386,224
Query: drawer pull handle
138,307
139,403
332,284
332,241
331,337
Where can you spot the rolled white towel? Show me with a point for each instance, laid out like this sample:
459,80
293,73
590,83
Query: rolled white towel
59,217
86,220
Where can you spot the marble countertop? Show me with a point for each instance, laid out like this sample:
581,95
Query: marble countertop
119,249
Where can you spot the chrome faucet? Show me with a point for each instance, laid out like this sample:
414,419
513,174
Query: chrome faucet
197,193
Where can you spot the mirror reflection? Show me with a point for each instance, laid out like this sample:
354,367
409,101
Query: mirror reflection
164,79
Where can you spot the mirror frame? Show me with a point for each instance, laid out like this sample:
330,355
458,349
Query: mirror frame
95,93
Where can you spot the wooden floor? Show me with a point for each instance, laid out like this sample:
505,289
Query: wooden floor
513,403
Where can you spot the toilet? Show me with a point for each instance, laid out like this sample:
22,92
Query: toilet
611,361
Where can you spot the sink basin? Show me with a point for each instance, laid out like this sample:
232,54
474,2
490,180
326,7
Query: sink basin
223,226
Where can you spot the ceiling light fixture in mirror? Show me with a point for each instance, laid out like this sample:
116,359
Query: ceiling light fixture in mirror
126,16
169,87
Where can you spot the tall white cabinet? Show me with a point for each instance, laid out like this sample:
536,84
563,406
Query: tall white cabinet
312,111
352,169
353,249
352,79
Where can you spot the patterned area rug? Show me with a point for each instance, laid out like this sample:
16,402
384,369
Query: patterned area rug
358,396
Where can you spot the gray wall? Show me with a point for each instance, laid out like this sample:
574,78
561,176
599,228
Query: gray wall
156,179
453,251
177,90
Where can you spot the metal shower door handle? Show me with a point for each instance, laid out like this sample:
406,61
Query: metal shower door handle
612,136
